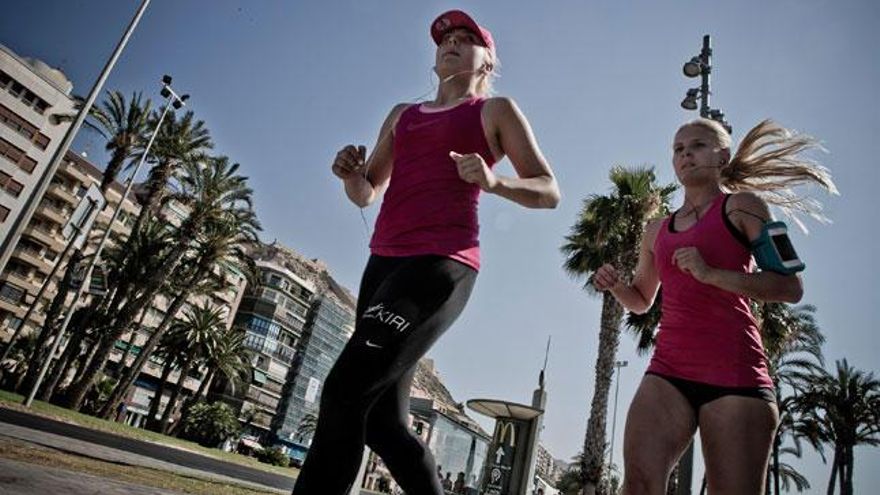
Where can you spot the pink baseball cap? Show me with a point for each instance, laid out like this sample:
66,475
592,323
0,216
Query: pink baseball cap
458,19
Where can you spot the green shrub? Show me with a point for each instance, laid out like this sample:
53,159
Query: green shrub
273,455
210,424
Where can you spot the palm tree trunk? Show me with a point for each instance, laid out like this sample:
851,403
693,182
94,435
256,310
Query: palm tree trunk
167,368
132,372
85,362
50,325
61,368
175,394
593,460
191,401
113,331
154,188
125,317
132,339
834,468
850,464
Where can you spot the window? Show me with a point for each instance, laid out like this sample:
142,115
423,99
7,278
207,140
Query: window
12,293
12,321
4,212
18,124
51,255
41,106
17,156
270,295
19,91
42,141
10,185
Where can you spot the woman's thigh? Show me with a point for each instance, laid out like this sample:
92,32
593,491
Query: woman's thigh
659,427
737,433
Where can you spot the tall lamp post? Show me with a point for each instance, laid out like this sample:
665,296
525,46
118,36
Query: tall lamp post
617,366
698,66
701,66
173,101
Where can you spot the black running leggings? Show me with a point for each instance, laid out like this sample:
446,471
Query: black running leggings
404,305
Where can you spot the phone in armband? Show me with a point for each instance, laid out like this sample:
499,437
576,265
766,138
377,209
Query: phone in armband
773,250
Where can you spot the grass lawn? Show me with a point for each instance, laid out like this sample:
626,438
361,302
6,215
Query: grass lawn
21,451
13,401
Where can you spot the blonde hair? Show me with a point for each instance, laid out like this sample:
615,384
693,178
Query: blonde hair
768,162
485,84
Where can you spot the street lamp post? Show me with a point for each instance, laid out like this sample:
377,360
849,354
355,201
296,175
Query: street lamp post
701,66
173,101
617,366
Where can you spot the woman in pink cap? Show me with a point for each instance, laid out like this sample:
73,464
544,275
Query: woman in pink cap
709,370
432,160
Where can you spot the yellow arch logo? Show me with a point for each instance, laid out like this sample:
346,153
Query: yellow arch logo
506,430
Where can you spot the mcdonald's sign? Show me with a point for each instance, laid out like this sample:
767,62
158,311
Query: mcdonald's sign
506,430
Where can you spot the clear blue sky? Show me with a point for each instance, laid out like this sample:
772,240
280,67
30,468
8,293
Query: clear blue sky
282,85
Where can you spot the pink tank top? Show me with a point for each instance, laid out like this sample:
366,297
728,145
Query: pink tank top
707,334
428,208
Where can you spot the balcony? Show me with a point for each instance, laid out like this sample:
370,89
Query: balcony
54,213
32,257
62,192
20,278
45,236
70,169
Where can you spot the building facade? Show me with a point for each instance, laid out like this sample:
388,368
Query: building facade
43,242
297,320
31,93
546,467
330,326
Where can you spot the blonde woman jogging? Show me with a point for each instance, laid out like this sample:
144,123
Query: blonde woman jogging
709,370
432,160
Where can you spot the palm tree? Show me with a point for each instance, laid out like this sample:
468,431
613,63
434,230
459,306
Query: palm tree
143,255
229,358
179,142
124,125
196,335
170,355
842,410
16,364
213,193
793,345
609,230
219,245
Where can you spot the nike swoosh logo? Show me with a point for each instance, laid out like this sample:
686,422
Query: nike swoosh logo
374,346
414,127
